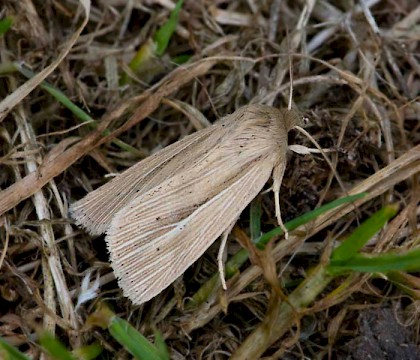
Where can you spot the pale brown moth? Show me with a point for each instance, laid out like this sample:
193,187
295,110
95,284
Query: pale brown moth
162,214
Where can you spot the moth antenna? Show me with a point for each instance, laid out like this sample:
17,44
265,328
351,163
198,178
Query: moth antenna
289,106
313,141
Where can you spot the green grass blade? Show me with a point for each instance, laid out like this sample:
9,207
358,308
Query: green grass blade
164,34
262,241
255,218
60,97
382,263
181,59
5,25
88,352
133,341
161,345
77,111
54,348
9,352
141,59
125,334
349,247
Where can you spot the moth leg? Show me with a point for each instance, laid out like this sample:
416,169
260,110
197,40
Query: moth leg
303,150
278,173
220,256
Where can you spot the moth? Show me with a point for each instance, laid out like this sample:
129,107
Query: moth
162,214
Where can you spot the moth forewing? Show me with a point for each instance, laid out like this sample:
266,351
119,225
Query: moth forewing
95,211
184,198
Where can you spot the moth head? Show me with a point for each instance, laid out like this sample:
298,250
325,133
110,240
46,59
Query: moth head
293,118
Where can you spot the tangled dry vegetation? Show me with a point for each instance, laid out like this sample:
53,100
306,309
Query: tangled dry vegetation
356,75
